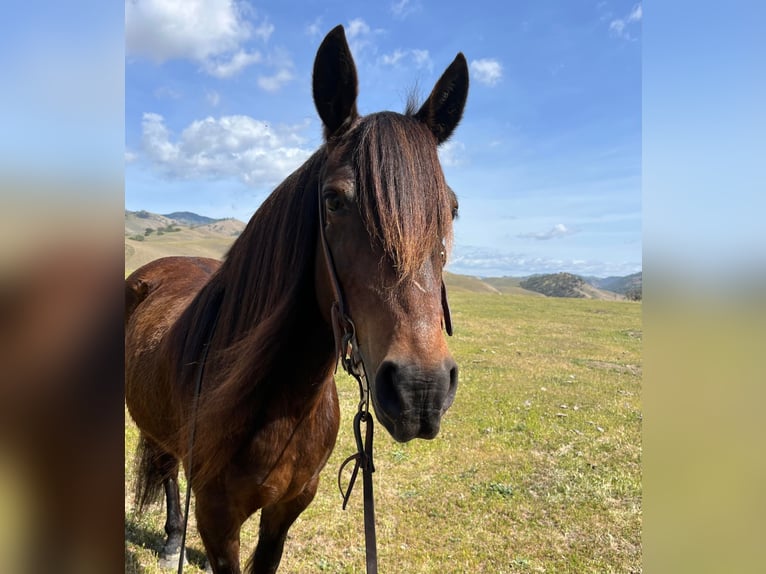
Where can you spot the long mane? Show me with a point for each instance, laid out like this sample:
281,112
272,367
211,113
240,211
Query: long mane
265,286
245,313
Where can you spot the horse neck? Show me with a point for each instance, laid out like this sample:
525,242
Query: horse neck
268,310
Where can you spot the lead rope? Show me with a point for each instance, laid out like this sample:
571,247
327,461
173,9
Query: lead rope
354,366
347,351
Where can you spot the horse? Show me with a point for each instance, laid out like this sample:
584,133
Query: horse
367,217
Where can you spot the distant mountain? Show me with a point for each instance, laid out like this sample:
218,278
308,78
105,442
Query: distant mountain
622,285
189,218
564,285
149,236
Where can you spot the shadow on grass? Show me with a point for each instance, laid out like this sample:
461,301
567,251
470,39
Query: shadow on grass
140,535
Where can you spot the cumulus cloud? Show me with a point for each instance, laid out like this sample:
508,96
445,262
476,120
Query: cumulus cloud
213,98
264,31
621,27
451,153
486,71
403,8
357,27
314,30
558,230
361,38
230,146
275,81
210,32
418,58
227,67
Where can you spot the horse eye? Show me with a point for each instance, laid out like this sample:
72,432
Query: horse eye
333,201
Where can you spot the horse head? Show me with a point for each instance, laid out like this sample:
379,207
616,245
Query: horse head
386,216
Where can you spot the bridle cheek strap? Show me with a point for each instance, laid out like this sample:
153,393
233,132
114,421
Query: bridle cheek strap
446,311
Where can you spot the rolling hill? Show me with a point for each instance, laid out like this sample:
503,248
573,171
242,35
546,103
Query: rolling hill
621,285
149,236
565,285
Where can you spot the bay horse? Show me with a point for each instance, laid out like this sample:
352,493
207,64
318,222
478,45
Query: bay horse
369,214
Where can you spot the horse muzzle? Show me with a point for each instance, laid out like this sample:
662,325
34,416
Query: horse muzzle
410,400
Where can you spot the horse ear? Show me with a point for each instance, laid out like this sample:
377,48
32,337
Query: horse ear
335,83
443,109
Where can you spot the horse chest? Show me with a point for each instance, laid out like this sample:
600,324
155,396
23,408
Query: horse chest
276,467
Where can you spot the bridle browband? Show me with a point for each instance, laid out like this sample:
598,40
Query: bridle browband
347,352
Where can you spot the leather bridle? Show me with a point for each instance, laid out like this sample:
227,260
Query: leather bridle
347,351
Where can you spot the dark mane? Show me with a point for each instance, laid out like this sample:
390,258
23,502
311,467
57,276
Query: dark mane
253,302
403,198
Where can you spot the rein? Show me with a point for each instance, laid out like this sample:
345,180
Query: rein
347,351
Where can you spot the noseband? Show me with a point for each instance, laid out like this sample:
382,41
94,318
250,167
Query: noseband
347,351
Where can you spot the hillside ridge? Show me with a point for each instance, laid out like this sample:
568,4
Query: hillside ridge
149,236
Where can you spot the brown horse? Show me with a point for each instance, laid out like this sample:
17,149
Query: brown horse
256,330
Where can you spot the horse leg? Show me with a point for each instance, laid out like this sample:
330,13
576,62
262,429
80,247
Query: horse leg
171,552
218,526
276,520
158,468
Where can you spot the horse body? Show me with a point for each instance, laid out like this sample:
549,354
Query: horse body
255,336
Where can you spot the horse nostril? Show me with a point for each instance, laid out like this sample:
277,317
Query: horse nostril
386,383
453,378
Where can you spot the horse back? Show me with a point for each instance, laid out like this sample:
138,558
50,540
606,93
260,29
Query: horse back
155,296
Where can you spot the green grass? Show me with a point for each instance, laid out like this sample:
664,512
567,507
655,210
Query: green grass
537,467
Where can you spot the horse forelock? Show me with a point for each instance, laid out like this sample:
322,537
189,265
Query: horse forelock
403,199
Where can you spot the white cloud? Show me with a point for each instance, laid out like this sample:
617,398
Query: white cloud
264,30
422,58
210,32
357,27
193,29
403,8
361,38
418,58
621,27
487,262
230,146
314,30
487,71
393,58
225,68
166,93
213,98
451,153
558,230
274,82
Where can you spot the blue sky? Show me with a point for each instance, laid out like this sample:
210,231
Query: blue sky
546,163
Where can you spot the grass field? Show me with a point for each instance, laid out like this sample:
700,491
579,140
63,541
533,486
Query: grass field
537,467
